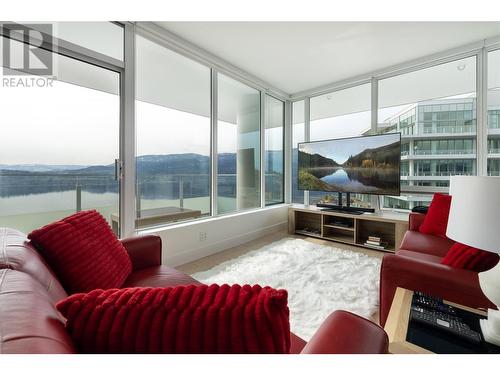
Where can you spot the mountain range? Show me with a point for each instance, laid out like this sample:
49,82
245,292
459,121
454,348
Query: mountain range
158,175
383,156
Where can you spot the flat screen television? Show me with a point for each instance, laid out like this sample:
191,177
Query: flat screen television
366,165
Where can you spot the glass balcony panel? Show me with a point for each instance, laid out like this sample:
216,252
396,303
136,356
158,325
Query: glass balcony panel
172,136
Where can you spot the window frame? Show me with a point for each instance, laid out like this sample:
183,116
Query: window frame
283,148
126,69
478,50
127,113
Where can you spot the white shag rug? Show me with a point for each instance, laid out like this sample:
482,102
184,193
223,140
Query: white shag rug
319,279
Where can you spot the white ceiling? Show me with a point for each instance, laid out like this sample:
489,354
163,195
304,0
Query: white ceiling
297,56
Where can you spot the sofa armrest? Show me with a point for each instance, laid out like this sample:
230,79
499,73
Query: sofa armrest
144,251
415,220
346,333
452,284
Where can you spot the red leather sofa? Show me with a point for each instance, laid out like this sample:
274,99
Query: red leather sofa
417,266
29,322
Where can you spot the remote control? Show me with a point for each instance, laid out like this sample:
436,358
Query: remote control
434,303
445,322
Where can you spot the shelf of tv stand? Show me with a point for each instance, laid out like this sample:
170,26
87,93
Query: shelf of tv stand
340,238
389,226
307,233
351,229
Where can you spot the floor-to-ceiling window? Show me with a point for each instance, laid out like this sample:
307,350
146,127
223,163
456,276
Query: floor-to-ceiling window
273,150
238,146
173,126
298,135
435,111
493,148
106,38
172,135
341,114
60,137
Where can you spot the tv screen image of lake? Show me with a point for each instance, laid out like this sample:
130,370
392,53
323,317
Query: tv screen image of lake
368,165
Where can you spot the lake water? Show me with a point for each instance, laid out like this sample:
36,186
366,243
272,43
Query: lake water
342,179
29,212
339,177
362,180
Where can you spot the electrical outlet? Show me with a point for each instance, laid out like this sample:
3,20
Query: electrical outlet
203,236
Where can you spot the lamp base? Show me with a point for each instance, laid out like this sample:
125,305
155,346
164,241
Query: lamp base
491,327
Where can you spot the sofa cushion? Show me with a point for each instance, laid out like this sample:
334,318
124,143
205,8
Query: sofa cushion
343,332
469,258
184,319
18,254
83,252
297,344
159,276
420,256
436,219
29,321
425,243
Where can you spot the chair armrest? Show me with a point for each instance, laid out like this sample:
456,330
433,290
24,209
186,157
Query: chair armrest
452,284
144,251
346,333
415,220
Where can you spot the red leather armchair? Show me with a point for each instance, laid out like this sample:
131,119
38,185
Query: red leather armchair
29,290
417,266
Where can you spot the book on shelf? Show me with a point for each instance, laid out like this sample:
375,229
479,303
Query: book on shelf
376,243
381,246
374,238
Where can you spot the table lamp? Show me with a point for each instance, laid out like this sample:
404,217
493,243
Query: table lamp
475,221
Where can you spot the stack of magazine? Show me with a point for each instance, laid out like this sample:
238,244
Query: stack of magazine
376,243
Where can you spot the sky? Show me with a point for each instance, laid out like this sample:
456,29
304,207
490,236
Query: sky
73,125
351,125
341,150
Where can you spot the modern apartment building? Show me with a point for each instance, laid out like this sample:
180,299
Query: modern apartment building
439,139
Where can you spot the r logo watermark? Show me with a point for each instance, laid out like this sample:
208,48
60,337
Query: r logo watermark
25,55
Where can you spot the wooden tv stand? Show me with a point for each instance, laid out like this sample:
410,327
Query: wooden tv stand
348,228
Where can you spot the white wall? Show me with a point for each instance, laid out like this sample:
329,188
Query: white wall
182,243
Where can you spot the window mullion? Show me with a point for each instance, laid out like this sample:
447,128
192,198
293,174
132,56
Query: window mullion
213,143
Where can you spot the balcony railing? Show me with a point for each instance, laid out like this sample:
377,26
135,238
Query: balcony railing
444,152
449,129
38,198
441,174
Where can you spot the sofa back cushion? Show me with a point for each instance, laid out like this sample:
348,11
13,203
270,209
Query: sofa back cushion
415,241
182,319
29,321
83,252
469,258
16,253
436,219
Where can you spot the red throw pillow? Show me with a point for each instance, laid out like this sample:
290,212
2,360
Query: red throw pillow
469,258
84,252
182,319
436,219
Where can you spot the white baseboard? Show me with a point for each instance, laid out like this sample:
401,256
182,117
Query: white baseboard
216,247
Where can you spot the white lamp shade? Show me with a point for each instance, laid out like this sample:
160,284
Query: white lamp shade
490,284
475,212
